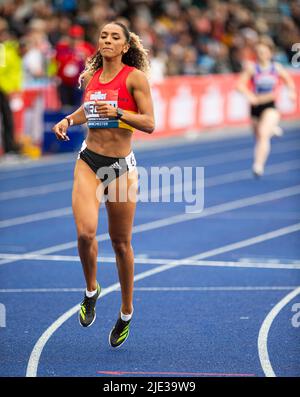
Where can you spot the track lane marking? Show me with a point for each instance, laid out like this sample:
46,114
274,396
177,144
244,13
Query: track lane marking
67,184
32,366
262,341
154,289
154,193
217,209
188,148
159,261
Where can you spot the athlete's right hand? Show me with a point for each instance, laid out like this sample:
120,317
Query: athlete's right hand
253,99
60,130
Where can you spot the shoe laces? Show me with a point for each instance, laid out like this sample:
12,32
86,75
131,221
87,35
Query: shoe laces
120,325
87,303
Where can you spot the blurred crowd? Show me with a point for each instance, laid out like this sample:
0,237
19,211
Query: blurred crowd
52,39
49,40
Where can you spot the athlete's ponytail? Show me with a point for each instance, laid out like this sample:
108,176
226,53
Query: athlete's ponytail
136,55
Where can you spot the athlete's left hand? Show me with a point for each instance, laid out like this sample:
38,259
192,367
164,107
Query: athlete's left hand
106,110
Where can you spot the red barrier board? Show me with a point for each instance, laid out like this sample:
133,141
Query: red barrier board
190,103
21,101
182,104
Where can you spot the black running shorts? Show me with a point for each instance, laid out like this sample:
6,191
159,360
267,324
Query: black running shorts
257,110
107,168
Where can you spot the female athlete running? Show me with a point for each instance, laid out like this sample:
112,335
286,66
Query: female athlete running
264,76
117,99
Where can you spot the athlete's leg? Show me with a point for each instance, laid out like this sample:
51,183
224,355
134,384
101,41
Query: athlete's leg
86,208
254,126
264,131
120,206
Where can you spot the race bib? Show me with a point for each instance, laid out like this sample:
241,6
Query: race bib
94,119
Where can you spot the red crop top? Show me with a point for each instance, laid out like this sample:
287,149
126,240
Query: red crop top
115,93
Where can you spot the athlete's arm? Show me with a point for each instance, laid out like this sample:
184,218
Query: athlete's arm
60,129
242,84
144,120
77,117
287,79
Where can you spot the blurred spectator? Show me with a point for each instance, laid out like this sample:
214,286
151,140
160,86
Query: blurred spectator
158,65
33,63
82,47
38,38
189,62
249,38
295,12
291,35
174,61
65,5
10,82
222,62
53,30
71,53
184,37
188,36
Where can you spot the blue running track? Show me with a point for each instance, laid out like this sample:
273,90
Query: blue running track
216,293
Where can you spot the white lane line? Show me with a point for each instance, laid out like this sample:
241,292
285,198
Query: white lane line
220,208
234,155
158,261
205,289
222,179
34,165
35,355
246,174
244,265
217,209
154,193
39,168
253,240
262,341
152,289
38,290
38,216
164,151
213,181
36,190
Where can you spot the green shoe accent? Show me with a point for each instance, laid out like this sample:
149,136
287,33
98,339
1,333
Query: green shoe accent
125,330
87,313
82,311
119,334
123,337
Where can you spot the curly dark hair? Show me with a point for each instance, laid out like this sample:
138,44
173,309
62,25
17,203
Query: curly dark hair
136,55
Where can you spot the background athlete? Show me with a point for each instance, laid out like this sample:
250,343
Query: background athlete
117,100
264,76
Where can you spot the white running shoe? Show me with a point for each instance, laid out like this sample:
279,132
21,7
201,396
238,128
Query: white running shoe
277,131
258,170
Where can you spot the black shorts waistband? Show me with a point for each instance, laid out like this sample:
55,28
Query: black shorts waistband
107,168
257,110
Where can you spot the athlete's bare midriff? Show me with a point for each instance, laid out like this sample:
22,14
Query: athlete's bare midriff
112,142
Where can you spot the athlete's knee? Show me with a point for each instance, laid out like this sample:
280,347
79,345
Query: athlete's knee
86,236
121,247
262,134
